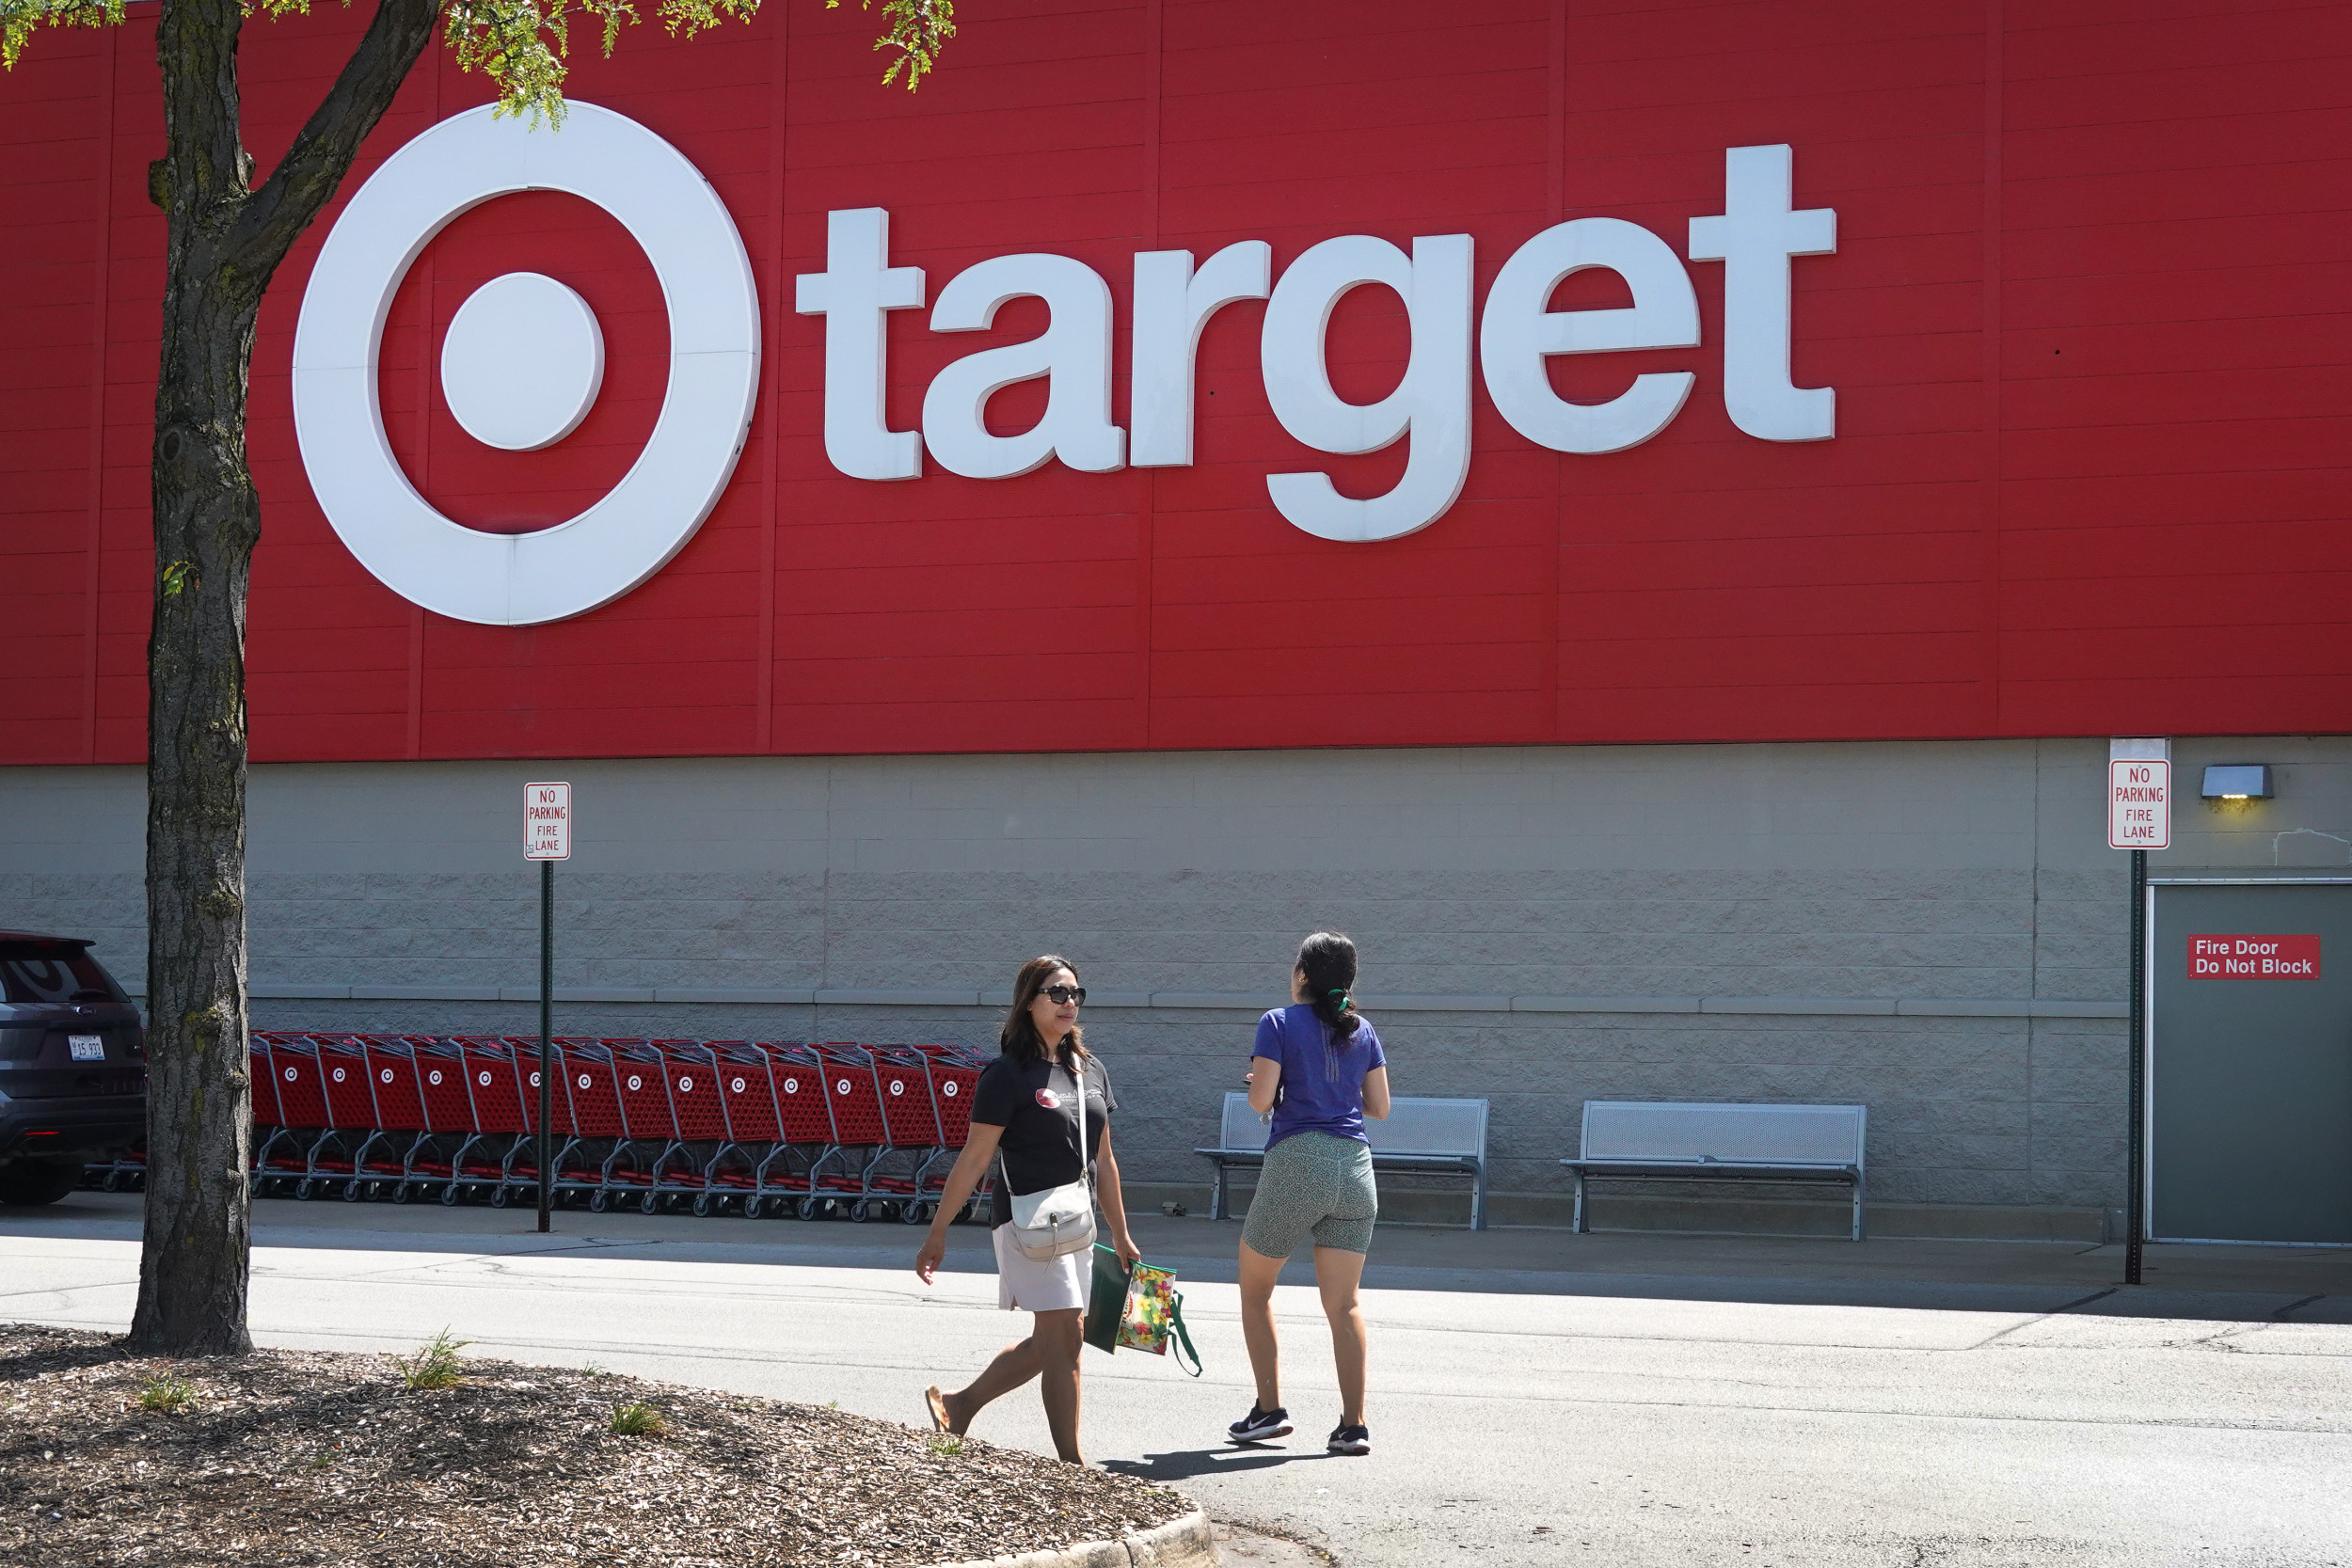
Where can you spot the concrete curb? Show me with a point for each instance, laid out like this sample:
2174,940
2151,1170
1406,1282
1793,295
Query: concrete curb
1185,1543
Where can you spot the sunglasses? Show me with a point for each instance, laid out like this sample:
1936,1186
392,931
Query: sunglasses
1060,996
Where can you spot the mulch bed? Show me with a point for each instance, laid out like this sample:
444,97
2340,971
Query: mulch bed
317,1459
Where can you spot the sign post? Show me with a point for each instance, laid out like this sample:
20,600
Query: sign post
2139,818
546,838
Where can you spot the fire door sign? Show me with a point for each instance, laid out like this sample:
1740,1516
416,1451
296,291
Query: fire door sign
547,822
2254,958
2140,803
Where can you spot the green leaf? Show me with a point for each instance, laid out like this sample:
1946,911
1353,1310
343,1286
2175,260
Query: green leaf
18,18
919,29
523,45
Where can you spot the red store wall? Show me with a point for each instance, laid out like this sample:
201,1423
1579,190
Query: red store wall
2089,323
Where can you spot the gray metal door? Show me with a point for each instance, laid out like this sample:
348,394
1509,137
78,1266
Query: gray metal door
2250,1064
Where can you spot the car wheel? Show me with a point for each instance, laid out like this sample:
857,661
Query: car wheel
30,1182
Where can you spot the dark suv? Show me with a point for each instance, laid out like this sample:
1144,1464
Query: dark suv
72,1067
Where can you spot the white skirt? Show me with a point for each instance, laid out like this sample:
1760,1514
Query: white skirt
1056,1285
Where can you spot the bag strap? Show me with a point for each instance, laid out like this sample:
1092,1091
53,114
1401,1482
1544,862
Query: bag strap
1184,1337
1085,1165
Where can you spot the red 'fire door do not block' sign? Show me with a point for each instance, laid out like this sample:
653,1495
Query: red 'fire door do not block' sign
2255,957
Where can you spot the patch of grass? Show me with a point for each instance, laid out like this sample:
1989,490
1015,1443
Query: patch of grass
639,1419
947,1445
165,1395
325,1459
436,1364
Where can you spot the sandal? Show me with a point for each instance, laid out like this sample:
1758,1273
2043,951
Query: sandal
939,1408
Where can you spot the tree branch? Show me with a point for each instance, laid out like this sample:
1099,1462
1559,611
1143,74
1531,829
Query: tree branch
314,168
199,179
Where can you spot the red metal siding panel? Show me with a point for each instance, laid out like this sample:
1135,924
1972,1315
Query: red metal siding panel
2087,322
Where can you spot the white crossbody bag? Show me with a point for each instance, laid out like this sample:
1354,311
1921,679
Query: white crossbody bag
1059,1220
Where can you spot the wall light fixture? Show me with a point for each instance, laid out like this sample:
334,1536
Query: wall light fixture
2237,781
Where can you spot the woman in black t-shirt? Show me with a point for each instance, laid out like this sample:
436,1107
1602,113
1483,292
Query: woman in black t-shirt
1025,1110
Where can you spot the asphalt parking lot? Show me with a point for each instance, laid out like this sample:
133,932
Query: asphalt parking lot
1537,1396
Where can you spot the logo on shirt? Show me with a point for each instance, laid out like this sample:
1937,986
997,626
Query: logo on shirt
1048,1098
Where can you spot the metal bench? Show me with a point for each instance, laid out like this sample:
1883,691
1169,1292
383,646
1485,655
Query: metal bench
1637,1140
1419,1134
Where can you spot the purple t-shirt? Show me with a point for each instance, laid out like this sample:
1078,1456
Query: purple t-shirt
1323,1083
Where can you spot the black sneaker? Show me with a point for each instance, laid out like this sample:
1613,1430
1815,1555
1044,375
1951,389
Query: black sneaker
1350,1440
1261,1425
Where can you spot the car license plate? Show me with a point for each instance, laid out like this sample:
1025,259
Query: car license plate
87,1048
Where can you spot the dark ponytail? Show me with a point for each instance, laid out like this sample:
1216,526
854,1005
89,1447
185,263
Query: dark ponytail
1328,959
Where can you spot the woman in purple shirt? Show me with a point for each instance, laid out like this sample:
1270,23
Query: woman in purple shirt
1319,1069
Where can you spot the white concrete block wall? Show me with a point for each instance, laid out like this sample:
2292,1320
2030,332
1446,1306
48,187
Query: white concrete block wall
1875,874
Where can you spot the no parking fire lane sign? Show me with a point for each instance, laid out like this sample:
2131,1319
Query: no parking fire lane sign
2140,803
547,822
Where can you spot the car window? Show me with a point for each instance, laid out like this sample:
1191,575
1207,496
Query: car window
53,971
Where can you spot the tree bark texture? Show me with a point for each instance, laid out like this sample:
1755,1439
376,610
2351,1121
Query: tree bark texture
225,242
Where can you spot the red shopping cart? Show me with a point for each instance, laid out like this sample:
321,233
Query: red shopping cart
755,1130
839,1181
698,1107
897,1182
805,1110
284,1159
380,1163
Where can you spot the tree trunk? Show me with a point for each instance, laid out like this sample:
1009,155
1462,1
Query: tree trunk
193,1267
195,1258
225,242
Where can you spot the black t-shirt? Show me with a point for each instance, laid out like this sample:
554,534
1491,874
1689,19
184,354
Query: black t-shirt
1040,1146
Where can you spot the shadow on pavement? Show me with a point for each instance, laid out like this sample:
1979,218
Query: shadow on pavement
2232,1284
1186,1464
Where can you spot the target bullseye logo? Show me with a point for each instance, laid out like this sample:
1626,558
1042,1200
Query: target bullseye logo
522,364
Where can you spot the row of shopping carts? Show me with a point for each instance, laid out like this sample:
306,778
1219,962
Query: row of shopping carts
750,1127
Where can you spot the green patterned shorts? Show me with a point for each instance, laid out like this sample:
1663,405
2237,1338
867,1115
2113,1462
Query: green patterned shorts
1312,1183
